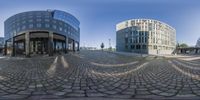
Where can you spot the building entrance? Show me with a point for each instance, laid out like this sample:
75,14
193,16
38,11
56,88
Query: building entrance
39,46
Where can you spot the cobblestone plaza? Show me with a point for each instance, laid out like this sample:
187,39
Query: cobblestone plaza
98,75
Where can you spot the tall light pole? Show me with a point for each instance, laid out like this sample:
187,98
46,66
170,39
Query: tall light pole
109,44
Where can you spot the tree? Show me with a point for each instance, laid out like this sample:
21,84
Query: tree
102,46
183,45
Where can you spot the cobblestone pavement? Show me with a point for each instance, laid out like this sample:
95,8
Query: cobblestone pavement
90,75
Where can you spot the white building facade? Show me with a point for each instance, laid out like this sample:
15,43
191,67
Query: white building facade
145,36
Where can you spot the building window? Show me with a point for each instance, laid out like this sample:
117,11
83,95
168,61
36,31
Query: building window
30,25
23,27
54,21
47,25
145,40
30,20
39,20
132,46
24,22
30,16
131,41
60,28
126,40
144,47
154,47
46,20
39,25
18,29
38,16
60,23
54,26
46,16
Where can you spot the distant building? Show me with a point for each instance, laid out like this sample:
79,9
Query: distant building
41,32
198,43
88,48
145,36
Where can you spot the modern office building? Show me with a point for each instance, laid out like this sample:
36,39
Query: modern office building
41,32
145,36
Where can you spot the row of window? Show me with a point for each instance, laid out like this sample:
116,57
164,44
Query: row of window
154,47
136,40
137,47
141,22
39,25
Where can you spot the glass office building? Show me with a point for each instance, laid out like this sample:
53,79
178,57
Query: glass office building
145,36
41,32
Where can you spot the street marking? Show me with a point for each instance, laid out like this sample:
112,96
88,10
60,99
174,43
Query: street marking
64,63
121,73
184,72
184,65
113,65
52,68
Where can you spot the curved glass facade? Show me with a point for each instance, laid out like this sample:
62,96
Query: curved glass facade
57,21
41,27
145,36
66,17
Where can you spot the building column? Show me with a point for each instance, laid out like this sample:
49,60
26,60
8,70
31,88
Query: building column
13,47
50,44
34,46
54,46
27,44
42,46
62,46
5,48
78,48
66,44
16,49
73,43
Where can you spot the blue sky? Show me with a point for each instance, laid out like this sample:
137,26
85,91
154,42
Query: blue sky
99,17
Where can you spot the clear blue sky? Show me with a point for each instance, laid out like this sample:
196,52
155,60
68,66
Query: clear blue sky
99,17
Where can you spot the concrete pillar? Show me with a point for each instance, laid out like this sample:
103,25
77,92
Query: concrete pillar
13,47
66,44
34,46
62,46
27,44
5,48
73,43
54,46
78,48
16,48
42,46
50,44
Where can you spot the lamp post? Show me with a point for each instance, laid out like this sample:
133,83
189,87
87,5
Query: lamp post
110,48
